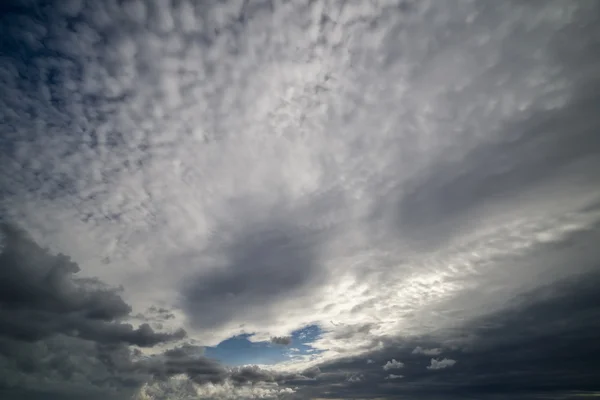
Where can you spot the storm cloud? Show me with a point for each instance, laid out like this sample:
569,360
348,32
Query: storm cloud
64,330
41,296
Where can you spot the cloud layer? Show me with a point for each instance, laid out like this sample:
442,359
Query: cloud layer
409,177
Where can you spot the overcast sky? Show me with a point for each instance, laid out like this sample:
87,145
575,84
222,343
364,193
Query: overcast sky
299,199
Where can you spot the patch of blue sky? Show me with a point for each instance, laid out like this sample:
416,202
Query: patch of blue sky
239,350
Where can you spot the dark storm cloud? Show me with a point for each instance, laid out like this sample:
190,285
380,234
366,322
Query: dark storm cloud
65,330
68,367
41,295
184,351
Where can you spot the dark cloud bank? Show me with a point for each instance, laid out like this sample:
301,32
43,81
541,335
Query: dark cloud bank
544,347
61,337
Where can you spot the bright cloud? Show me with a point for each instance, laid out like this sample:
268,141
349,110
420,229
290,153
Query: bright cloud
392,364
441,364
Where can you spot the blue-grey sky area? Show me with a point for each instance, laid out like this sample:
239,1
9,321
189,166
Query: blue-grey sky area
382,199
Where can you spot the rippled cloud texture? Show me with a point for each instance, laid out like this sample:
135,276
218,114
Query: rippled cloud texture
416,181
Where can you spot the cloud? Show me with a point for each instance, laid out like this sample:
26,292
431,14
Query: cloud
282,340
65,330
48,312
441,364
41,297
427,352
212,159
139,176
547,332
392,364
392,376
138,140
252,281
356,378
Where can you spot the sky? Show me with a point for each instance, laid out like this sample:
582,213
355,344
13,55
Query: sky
299,199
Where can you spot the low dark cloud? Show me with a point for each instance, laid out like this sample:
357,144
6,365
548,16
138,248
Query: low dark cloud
542,345
65,331
282,340
41,296
58,328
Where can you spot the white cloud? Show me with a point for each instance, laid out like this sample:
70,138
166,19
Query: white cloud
392,376
356,378
393,364
441,364
177,147
427,352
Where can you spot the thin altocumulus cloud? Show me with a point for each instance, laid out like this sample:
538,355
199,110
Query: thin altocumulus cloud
363,181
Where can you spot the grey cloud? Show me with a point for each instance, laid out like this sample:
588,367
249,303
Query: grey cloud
65,331
349,331
542,345
41,296
441,364
160,313
251,374
548,143
266,262
312,372
282,340
200,370
392,376
427,352
185,350
255,374
392,364
34,279
66,367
